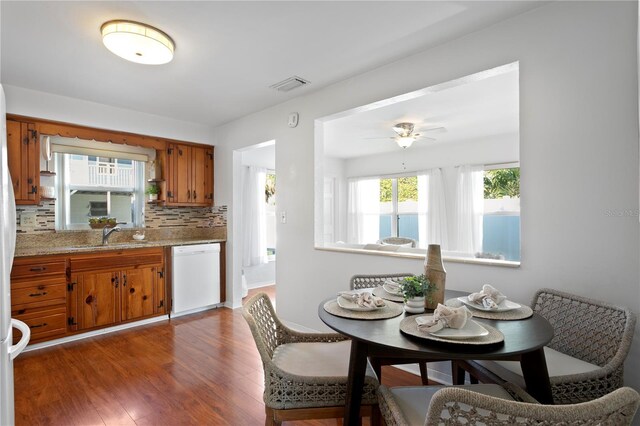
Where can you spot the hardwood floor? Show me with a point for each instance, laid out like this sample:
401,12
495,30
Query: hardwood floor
197,369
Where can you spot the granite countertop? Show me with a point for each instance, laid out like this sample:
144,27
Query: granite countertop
43,251
72,242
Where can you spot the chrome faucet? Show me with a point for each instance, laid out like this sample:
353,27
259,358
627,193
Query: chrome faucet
108,231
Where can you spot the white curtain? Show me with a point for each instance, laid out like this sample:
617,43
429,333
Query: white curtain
432,210
469,209
363,211
254,229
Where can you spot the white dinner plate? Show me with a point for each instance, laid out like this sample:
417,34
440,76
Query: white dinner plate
352,306
389,290
505,306
470,330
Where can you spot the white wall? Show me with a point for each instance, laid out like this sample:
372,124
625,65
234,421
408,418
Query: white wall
579,159
33,103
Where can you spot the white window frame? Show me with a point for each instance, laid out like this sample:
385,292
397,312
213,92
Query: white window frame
63,194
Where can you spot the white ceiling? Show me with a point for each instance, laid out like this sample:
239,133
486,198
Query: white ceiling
475,109
227,53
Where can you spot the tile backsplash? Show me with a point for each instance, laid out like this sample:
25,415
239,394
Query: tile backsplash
155,217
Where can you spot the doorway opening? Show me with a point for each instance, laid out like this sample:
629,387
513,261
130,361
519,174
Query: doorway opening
255,217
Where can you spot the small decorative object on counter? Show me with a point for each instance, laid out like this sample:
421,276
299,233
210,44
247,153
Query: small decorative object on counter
152,191
436,275
138,236
415,290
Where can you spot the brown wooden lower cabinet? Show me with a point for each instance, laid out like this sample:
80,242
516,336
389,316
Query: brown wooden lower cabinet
138,288
38,296
59,295
102,295
97,299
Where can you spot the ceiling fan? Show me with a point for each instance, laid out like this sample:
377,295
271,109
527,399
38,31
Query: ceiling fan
406,137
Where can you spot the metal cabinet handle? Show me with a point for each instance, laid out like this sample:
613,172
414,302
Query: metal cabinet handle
44,293
38,269
44,324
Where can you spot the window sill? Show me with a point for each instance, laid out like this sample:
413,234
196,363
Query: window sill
420,254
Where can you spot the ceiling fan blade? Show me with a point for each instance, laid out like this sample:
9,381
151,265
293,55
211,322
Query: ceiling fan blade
440,129
426,138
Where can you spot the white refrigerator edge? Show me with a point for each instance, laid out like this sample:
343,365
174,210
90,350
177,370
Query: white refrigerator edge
8,351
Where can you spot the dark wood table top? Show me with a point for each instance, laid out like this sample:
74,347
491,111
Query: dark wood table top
520,336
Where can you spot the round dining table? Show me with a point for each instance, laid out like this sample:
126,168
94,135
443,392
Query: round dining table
381,338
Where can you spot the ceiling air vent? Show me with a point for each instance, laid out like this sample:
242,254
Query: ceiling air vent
289,84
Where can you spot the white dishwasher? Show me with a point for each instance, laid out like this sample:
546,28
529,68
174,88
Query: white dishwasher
195,278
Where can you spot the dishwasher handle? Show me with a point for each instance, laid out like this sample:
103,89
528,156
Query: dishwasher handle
196,249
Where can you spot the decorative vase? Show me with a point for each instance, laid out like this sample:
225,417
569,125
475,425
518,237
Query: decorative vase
436,274
415,305
153,197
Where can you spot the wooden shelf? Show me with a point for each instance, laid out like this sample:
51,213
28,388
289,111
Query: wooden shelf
47,173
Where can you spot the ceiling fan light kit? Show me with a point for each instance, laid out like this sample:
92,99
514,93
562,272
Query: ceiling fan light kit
137,42
405,141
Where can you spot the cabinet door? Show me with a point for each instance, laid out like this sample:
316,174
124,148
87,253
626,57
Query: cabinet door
159,293
32,154
98,302
182,157
208,176
138,286
198,175
14,151
24,161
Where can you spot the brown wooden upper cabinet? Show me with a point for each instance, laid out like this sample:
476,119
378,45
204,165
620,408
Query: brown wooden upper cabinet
189,175
23,147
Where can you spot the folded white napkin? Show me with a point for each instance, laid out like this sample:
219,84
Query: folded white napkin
489,297
364,299
444,316
392,286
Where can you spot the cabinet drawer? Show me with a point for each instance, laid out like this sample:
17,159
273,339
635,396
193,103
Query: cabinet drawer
44,323
116,260
34,268
38,292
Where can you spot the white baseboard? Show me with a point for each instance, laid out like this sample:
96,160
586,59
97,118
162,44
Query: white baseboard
260,284
94,333
196,310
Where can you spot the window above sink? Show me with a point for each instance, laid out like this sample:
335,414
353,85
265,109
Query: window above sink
95,180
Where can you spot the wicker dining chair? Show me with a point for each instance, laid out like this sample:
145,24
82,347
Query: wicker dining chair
493,405
586,357
305,374
359,282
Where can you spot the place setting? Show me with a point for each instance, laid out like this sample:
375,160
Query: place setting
451,325
362,305
389,290
490,303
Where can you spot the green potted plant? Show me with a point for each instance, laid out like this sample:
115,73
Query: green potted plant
152,191
415,290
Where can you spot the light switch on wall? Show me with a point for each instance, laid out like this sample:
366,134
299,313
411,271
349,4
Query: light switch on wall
28,219
283,217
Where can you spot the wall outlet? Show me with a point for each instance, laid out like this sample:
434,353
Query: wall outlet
28,219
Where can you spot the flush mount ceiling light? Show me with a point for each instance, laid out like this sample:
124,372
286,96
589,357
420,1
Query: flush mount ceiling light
137,42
